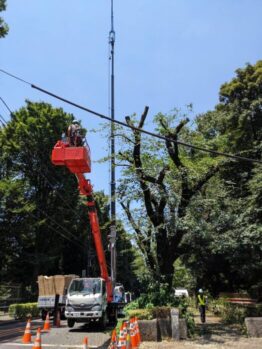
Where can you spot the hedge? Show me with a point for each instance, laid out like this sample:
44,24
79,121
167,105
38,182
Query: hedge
23,311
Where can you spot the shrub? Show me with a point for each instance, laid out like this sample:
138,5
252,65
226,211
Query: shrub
234,314
141,314
23,311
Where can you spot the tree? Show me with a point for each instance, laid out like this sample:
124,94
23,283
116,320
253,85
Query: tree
42,218
157,188
226,227
3,26
237,119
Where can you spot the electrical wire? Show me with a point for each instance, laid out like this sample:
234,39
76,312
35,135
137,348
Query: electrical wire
102,116
2,120
5,104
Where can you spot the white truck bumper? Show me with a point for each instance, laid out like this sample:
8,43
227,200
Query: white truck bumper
83,314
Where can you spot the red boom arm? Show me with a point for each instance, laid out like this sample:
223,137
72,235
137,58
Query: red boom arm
77,160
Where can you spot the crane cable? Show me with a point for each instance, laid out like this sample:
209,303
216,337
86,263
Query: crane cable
156,135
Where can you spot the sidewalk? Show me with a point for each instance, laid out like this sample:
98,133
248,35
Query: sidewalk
6,319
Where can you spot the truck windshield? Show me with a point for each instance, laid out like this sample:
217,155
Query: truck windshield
85,286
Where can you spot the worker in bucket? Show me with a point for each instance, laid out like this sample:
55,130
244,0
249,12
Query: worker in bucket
74,134
202,302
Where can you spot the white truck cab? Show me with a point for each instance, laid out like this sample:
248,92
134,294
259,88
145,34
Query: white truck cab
86,301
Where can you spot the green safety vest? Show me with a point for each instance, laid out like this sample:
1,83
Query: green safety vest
201,300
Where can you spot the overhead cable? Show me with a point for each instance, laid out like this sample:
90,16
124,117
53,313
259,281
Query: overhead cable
156,135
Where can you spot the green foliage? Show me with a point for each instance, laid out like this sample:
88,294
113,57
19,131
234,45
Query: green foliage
23,311
183,276
190,322
158,294
141,314
132,305
3,26
233,313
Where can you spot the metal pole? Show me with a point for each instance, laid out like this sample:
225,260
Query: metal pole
113,183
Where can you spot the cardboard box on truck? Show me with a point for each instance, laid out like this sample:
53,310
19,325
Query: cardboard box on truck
52,285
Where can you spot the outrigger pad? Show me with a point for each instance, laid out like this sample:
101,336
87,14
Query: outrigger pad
76,159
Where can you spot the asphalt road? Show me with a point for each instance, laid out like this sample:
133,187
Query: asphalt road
11,336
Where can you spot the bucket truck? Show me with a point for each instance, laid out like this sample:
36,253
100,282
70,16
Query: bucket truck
88,299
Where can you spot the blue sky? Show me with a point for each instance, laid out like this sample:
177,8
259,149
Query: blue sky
168,53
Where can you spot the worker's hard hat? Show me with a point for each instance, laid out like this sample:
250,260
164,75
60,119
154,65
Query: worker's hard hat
75,121
200,290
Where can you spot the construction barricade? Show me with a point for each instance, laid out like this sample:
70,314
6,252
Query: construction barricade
129,336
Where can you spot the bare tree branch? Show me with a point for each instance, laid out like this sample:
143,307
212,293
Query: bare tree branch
144,244
125,137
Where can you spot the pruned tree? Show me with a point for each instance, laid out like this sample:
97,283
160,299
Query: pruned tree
157,188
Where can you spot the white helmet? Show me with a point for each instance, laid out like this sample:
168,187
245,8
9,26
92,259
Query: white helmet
200,290
75,121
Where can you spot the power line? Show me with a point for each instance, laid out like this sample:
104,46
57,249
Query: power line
5,104
102,116
2,120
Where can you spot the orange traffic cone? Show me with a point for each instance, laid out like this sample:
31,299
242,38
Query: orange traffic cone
85,343
27,335
128,341
122,339
113,343
125,329
137,332
37,343
58,319
133,337
47,324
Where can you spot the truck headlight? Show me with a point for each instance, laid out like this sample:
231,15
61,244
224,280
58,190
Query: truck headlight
97,307
69,308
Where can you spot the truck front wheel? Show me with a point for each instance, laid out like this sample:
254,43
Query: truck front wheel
70,323
103,321
43,314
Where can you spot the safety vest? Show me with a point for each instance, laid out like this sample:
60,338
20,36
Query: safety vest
201,300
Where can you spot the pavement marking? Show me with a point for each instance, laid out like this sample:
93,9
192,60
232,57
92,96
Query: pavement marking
51,345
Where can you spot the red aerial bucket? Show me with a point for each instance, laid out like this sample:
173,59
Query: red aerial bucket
76,159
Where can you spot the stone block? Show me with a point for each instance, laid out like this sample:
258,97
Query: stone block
254,326
164,326
182,329
149,330
175,333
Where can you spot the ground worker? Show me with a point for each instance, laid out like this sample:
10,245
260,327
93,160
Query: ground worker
202,301
74,134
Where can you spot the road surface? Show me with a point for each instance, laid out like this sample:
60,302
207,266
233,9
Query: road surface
11,336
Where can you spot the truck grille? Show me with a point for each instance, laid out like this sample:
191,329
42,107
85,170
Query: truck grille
84,307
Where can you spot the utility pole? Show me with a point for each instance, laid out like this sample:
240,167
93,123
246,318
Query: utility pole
113,181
